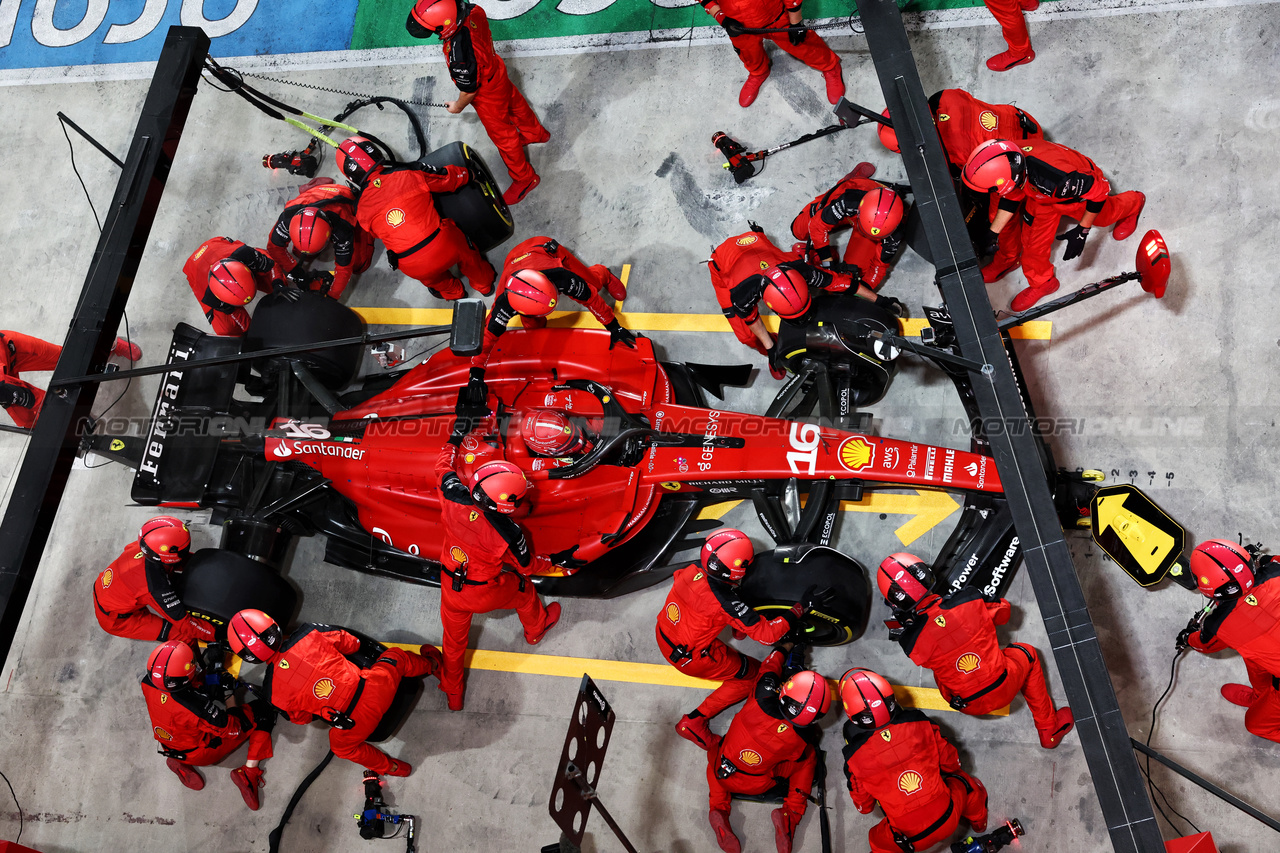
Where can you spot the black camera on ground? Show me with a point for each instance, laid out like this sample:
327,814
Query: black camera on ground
990,843
374,817
302,163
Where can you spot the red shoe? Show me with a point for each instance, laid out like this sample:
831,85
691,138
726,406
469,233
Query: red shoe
1009,59
979,823
1125,227
862,170
739,635
188,774
728,842
1239,694
248,780
835,84
433,656
1066,722
751,89
540,138
133,352
612,284
697,731
1029,297
400,768
553,616
1028,5
517,191
991,274
777,373
784,827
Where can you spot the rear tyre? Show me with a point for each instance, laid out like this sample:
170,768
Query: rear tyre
779,578
219,584
477,208
312,318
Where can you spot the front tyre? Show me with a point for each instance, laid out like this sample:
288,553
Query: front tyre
779,578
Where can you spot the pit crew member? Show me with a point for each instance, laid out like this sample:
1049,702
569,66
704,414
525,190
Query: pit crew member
20,354
871,210
225,275
964,123
323,213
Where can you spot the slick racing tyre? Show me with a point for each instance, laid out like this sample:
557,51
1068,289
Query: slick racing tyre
477,208
217,584
309,318
779,578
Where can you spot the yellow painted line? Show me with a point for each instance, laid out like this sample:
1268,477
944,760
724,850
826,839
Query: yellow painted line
927,508
718,511
645,673
641,321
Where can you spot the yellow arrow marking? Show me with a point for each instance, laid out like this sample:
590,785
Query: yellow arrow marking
1148,544
928,508
1039,330
717,511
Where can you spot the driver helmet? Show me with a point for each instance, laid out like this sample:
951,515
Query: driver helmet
1222,569
867,698
879,213
499,485
531,293
357,157
727,554
433,17
550,433
786,292
805,698
904,580
232,283
166,539
172,665
888,137
996,165
254,636
309,231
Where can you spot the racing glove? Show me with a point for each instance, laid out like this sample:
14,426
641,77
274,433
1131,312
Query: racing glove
988,243
617,333
321,282
298,275
893,305
1073,185
566,559
815,597
732,26
13,394
1183,642
288,291
796,34
889,247
477,392
1075,242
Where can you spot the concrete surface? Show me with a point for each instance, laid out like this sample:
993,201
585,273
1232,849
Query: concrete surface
1180,104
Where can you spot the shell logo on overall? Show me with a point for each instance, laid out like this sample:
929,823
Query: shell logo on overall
747,240
106,578
988,120
323,688
968,663
749,757
673,613
909,782
395,217
161,734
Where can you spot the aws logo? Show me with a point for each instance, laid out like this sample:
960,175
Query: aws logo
968,662
988,120
747,239
323,688
673,613
107,577
910,782
395,217
749,757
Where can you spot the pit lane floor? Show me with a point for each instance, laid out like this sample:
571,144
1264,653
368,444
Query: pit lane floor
1177,396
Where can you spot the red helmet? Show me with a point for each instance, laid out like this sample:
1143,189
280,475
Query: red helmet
550,433
499,485
867,698
531,293
888,138
787,292
254,636
433,16
904,580
996,165
357,157
1222,568
172,665
879,213
805,698
309,231
166,539
232,282
727,554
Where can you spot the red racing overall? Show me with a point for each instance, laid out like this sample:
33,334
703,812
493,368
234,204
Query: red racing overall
126,593
352,245
226,319
1048,164
761,747
838,208
914,773
698,608
310,677
198,730
1250,624
396,207
964,123
956,638
507,117
19,353
486,560
579,282
772,14
734,260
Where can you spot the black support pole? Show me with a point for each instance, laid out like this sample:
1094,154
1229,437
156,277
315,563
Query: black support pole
1125,806
42,478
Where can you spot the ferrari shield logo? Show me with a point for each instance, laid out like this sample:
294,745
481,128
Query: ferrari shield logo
968,662
909,782
886,735
395,217
671,487
782,728
699,576
117,444
747,239
944,117
940,621
1251,600
521,258
856,453
164,697
988,120
198,253
673,613
106,578
749,757
284,664
323,688
474,515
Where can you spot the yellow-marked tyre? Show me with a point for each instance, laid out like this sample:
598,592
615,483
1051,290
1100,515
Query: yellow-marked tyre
477,208
779,578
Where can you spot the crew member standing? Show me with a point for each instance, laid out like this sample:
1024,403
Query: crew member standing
196,726
20,354
956,639
482,81
536,274
737,16
1008,13
1055,181
225,275
134,596
486,560
897,757
309,676
1244,615
871,210
324,212
703,601
396,207
773,739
